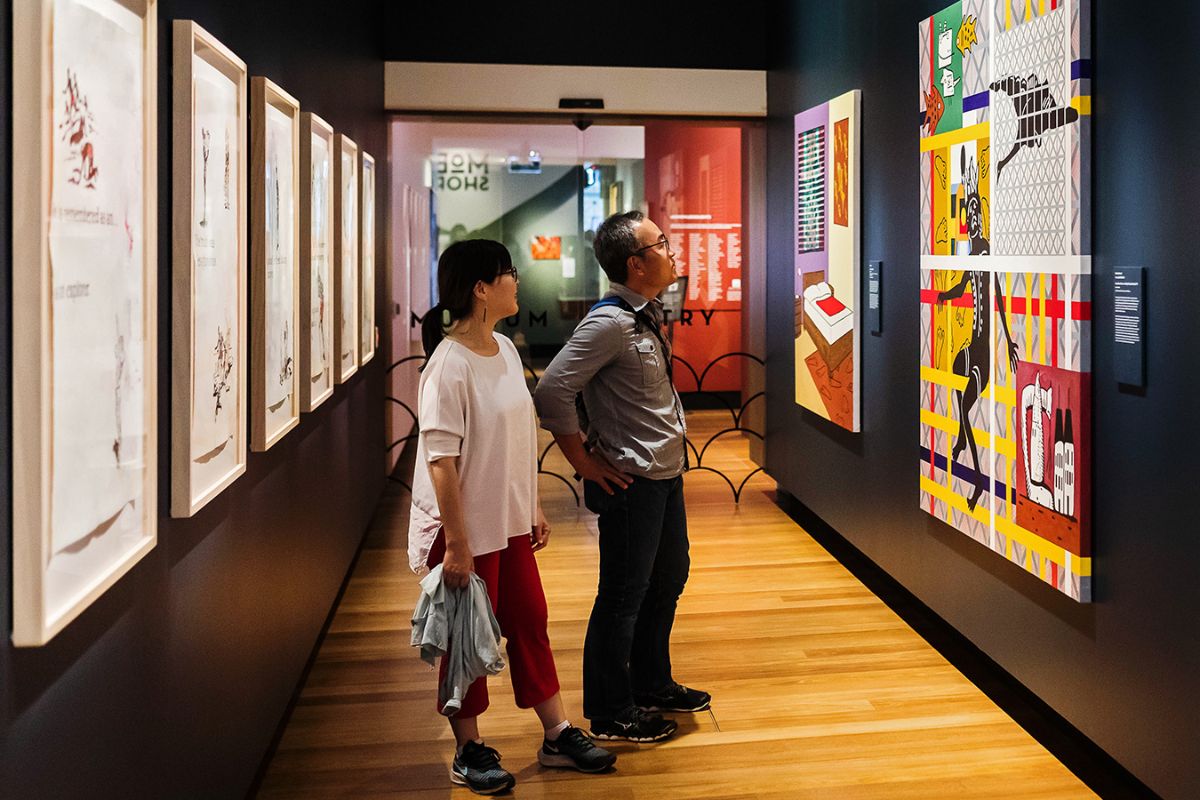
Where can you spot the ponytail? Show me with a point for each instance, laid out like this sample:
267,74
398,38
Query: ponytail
432,330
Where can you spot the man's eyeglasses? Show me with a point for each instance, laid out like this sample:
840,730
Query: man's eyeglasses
664,243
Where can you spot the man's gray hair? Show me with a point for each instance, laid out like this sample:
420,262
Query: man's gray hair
616,239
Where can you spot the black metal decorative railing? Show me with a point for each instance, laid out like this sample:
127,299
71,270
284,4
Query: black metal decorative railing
737,415
696,455
415,420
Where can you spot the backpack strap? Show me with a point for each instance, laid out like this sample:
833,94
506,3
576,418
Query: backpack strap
642,319
613,300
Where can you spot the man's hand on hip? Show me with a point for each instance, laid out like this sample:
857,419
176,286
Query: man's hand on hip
596,468
590,466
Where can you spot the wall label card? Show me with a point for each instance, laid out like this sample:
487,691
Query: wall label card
874,295
1129,325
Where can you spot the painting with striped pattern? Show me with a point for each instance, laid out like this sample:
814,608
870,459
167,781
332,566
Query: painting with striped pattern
810,190
1005,417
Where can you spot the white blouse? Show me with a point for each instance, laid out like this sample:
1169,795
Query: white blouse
479,409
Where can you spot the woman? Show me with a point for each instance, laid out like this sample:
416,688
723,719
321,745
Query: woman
475,505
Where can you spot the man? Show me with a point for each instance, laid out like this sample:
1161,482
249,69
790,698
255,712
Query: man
632,463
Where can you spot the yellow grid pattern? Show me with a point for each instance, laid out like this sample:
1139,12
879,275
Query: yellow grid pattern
1033,543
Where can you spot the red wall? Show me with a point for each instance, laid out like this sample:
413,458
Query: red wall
694,192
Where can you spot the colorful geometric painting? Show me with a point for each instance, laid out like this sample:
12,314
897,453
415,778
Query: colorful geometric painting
827,322
1005,115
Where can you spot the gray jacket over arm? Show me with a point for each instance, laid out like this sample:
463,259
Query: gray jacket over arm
458,624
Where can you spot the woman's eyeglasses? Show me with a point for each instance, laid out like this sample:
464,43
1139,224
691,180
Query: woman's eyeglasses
509,271
664,243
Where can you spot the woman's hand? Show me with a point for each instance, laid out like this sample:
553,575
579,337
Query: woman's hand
457,567
541,531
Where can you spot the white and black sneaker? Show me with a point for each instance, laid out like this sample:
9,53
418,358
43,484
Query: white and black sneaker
636,726
574,750
478,768
674,697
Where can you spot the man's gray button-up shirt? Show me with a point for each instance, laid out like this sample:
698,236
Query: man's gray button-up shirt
635,418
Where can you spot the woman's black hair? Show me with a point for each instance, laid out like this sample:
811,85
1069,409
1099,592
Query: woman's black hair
461,266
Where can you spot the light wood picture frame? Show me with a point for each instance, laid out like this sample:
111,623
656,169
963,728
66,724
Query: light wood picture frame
345,257
209,273
275,262
84,304
367,229
316,261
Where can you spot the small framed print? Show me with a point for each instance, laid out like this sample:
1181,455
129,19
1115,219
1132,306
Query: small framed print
274,191
366,323
316,261
208,346
345,261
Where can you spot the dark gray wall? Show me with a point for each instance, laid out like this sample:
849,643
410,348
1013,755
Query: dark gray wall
665,33
1125,670
172,683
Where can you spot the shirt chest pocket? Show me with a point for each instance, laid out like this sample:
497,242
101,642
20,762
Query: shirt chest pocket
650,361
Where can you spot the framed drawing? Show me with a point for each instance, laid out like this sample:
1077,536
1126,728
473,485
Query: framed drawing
345,257
316,260
1004,132
208,322
274,190
828,309
84,348
366,323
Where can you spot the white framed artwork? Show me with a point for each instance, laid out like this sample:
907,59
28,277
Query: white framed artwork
275,262
366,322
345,257
84,313
208,328
316,260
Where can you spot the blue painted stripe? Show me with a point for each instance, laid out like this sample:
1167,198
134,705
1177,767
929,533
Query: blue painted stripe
965,473
1081,69
975,102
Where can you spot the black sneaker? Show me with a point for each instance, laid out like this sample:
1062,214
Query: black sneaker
573,749
674,698
636,726
478,768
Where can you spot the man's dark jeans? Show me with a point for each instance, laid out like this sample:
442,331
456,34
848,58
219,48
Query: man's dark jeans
643,567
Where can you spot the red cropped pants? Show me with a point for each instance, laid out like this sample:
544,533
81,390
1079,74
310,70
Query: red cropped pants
515,588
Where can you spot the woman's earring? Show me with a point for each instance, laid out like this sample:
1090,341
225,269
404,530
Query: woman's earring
446,318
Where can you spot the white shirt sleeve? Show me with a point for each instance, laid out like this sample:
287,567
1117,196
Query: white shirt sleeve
443,412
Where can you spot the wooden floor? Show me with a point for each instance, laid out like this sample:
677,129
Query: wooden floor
820,691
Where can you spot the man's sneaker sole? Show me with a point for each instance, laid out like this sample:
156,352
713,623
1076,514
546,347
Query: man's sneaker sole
624,737
676,710
562,761
461,781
